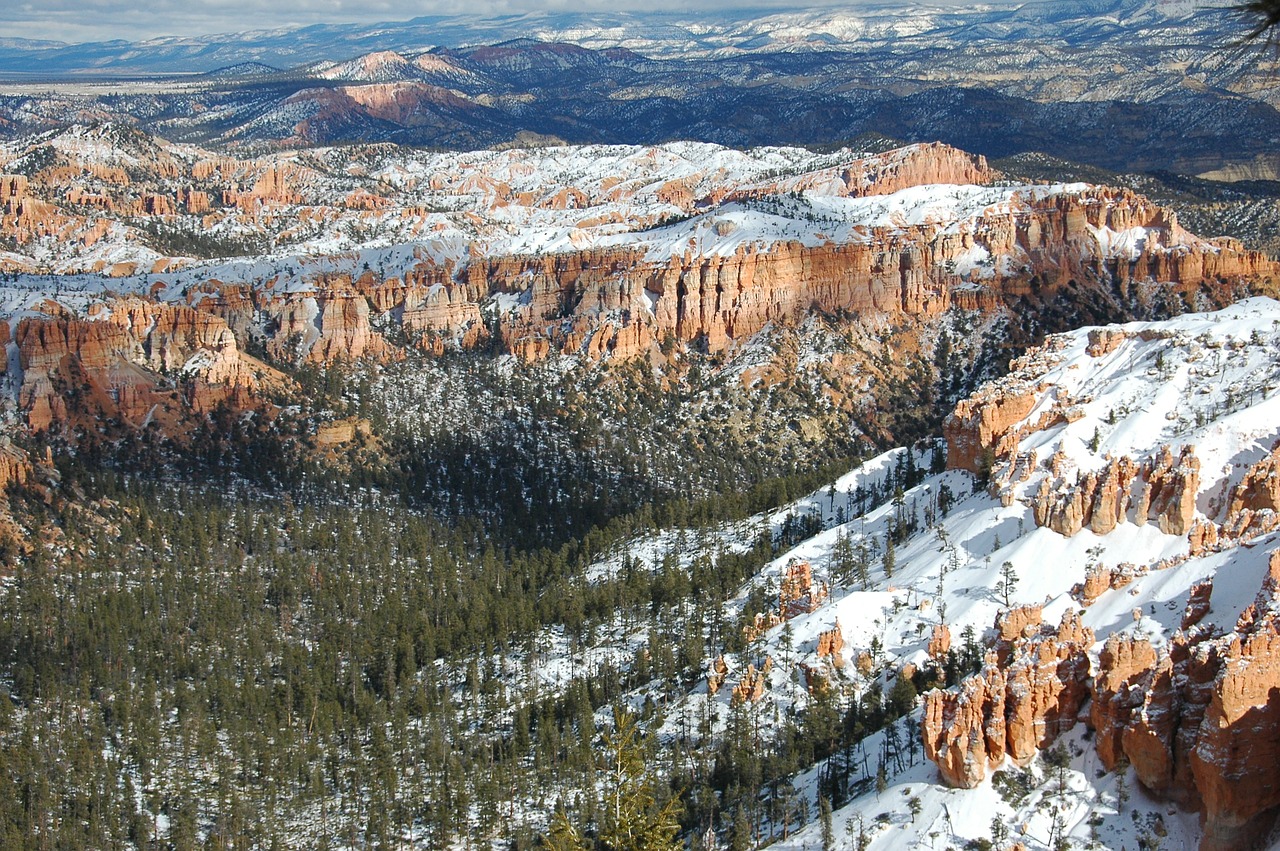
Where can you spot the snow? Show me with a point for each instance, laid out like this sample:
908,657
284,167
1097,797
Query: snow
1124,396
446,208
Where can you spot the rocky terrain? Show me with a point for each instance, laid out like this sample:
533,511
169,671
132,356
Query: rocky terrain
1110,583
1163,85
1175,705
1076,576
600,251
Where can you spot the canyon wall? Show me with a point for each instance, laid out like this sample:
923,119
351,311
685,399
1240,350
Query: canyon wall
1198,718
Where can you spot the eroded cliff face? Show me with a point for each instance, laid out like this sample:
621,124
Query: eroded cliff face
1028,693
607,282
1197,718
1253,509
621,301
535,264
1164,425
135,364
1162,489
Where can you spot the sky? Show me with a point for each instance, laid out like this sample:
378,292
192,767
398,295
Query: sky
78,21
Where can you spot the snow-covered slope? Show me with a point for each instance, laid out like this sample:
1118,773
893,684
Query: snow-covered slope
453,206
1204,379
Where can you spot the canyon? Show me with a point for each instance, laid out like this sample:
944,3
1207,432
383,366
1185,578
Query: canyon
1191,711
605,253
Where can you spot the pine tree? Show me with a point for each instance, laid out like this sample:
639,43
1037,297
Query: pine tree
828,828
741,834
843,563
562,835
631,817
1008,582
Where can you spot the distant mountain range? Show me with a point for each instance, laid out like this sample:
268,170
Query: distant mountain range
1126,85
659,34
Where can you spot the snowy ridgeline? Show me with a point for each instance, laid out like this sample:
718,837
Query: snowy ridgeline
677,199
1203,379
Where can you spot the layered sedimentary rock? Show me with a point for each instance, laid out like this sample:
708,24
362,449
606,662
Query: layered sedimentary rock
1013,707
1235,756
588,293
1163,490
1047,684
964,730
1254,507
1198,717
1199,720
752,685
124,368
717,299
976,427
798,594
1168,495
535,264
881,174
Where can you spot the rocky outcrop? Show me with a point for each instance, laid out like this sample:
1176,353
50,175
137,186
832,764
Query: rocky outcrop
879,174
1253,509
1015,624
939,642
978,425
1198,604
1100,578
1104,341
1012,707
1165,486
138,363
1197,718
617,298
12,187
1169,492
964,729
799,593
830,645
1254,506
1259,490
1099,500
717,674
1047,684
752,685
1198,721
1235,756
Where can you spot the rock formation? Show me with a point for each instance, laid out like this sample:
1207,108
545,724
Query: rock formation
616,297
1099,578
123,370
1168,495
964,730
939,642
830,645
1166,490
799,593
1013,707
978,425
751,687
1197,718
